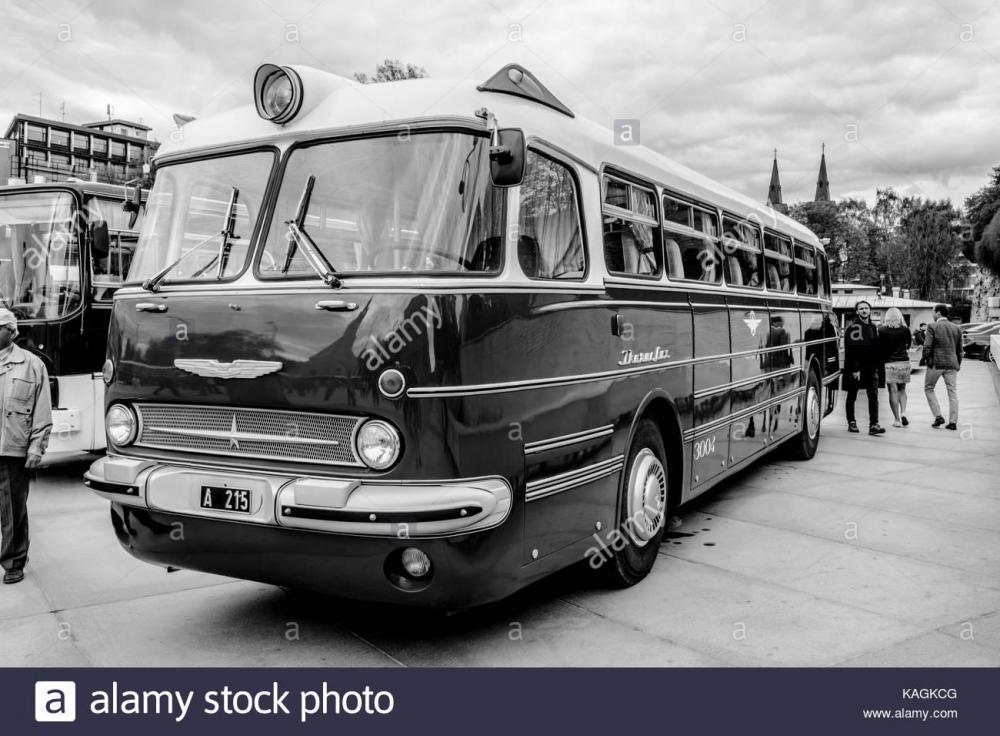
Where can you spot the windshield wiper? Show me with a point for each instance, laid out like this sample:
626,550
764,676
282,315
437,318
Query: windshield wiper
300,239
153,282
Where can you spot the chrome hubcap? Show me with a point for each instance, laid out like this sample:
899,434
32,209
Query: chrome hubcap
646,497
812,412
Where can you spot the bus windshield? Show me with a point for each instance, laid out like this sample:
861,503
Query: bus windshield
420,203
39,254
187,208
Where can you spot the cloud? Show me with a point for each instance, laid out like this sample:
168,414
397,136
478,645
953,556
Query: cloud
716,85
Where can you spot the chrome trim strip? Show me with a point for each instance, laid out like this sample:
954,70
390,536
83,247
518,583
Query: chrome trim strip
611,304
554,484
831,378
690,434
539,446
441,392
745,382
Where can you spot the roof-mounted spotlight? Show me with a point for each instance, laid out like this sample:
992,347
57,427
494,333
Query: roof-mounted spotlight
277,92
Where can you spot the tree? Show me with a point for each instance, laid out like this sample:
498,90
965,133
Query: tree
988,247
981,208
929,234
846,224
392,70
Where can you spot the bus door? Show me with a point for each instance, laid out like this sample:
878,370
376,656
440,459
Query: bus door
751,388
710,448
782,361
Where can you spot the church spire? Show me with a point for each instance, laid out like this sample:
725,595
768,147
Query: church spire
823,183
774,191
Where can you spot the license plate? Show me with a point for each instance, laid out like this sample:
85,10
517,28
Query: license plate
225,499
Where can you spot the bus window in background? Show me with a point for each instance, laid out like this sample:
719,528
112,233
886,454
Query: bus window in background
110,261
39,254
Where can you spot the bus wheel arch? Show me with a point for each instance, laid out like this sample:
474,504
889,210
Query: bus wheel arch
648,491
660,408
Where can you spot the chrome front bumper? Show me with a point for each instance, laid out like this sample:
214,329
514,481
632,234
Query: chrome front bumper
397,509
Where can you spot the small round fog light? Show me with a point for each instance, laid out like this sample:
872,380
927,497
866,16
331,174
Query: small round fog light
415,562
391,383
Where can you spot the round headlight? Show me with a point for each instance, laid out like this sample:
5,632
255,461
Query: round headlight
378,444
108,371
120,424
277,93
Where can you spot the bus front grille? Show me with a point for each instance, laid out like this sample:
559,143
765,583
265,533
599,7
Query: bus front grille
264,434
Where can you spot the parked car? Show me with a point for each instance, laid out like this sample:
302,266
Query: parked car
977,341
965,327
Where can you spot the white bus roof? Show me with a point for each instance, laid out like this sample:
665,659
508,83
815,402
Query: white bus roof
333,103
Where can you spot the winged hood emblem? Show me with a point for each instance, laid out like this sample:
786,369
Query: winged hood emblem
211,368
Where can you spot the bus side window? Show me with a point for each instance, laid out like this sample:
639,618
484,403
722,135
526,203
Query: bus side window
742,253
806,273
631,230
778,263
550,241
112,267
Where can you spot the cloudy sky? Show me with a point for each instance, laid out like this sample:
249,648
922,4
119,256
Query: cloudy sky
903,94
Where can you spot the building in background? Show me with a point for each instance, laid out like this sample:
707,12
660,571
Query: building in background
111,151
8,154
845,296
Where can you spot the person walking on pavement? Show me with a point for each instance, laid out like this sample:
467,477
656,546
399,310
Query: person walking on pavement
863,366
895,338
25,423
943,355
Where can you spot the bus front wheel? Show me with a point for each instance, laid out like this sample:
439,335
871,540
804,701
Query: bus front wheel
643,509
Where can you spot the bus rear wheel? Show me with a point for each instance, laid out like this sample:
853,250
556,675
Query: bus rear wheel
643,503
804,445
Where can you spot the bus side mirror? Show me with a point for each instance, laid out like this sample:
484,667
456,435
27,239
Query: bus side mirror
507,158
133,205
99,240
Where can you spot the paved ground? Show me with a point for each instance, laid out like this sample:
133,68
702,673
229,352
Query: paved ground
880,551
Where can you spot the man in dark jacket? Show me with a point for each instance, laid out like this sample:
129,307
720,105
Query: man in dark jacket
863,366
943,355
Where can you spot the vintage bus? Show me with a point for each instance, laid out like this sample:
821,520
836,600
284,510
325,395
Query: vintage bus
442,340
64,249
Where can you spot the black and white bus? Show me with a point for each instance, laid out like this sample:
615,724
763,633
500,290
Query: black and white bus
435,340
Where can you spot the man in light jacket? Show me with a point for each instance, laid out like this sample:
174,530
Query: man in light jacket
25,423
943,356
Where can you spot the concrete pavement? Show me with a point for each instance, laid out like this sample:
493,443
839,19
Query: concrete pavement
881,551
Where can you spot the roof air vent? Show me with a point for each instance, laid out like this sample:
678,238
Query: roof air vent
515,80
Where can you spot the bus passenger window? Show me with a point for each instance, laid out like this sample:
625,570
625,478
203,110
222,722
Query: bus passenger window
677,212
632,248
742,254
550,244
806,273
700,258
778,263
